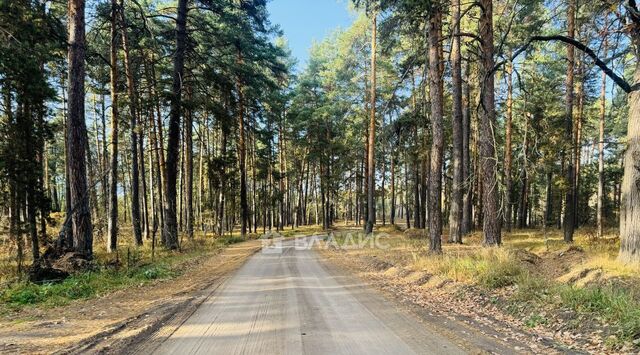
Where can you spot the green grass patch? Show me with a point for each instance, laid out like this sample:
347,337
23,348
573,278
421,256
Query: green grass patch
500,274
534,320
614,305
82,286
137,268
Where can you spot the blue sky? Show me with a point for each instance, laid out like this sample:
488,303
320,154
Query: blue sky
304,21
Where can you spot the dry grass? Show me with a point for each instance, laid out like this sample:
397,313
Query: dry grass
491,267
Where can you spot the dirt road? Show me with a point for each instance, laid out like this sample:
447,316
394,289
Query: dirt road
288,302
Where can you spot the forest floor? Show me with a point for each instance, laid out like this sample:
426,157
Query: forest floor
534,290
108,309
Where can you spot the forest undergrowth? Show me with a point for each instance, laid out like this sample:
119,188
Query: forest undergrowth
132,266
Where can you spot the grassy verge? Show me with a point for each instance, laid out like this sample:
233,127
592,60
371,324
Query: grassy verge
134,267
491,268
616,309
81,286
610,311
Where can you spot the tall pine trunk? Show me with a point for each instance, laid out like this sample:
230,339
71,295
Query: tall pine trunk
371,181
629,191
467,200
77,133
223,180
524,177
491,213
508,182
242,157
569,211
603,108
392,217
188,135
67,241
170,230
455,212
437,144
281,158
112,233
577,142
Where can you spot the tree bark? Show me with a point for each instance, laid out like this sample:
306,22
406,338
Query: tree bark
98,172
282,194
569,212
524,177
91,174
437,143
223,182
112,233
406,192
155,181
601,125
14,223
67,242
77,132
467,199
254,199
455,212
577,142
242,153
630,188
491,212
305,198
156,138
425,166
508,182
371,212
383,192
105,154
200,203
417,223
392,217
143,185
188,135
170,230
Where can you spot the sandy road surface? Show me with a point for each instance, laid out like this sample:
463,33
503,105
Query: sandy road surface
289,303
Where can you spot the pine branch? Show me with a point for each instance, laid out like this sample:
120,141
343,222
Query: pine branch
621,82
